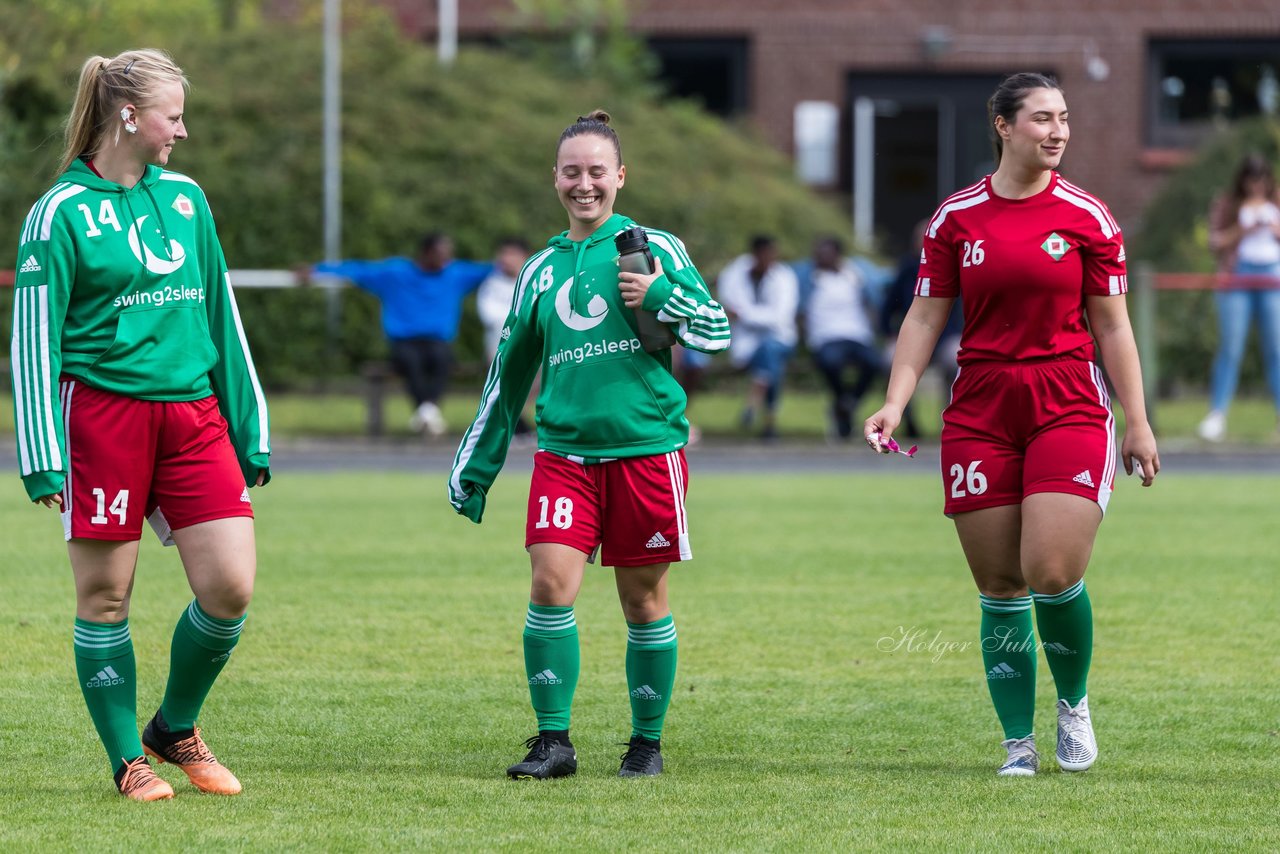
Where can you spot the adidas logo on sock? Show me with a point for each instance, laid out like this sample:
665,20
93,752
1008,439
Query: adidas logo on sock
31,265
657,541
1059,649
1003,671
546,677
106,677
1084,478
644,692
222,657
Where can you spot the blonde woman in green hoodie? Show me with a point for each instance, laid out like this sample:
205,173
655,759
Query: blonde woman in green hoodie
135,398
609,476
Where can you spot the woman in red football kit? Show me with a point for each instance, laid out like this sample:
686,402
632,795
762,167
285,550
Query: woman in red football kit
136,398
1028,442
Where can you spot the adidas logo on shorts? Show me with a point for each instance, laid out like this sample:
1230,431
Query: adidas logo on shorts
244,496
1084,478
657,541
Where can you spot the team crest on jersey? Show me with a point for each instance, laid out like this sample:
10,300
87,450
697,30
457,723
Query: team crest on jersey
183,206
1055,246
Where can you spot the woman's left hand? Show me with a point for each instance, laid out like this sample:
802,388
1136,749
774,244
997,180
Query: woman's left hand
635,285
1139,447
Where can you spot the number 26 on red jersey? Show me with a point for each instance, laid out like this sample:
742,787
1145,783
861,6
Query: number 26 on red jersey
974,254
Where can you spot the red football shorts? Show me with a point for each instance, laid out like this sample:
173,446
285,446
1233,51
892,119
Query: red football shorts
633,508
169,462
1012,430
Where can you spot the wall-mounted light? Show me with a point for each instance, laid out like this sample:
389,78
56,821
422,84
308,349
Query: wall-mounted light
936,41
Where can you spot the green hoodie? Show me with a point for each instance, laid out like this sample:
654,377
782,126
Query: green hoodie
602,396
126,290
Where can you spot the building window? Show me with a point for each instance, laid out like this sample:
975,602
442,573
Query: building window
712,71
1195,86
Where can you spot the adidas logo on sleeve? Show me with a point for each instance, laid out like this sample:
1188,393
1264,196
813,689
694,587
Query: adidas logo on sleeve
31,265
105,678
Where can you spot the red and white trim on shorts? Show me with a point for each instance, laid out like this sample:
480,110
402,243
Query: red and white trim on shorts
1109,465
66,388
675,468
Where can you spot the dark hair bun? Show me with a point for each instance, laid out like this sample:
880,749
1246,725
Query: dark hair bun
595,116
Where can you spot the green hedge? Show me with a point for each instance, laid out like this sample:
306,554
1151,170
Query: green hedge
468,150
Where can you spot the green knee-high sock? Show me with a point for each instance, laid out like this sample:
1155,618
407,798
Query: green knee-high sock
1065,621
201,646
651,674
1009,655
551,662
109,681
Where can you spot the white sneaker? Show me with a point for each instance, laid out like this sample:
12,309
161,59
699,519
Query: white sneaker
1214,427
428,417
1023,761
1077,748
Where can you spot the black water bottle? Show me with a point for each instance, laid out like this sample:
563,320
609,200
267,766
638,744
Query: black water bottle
634,256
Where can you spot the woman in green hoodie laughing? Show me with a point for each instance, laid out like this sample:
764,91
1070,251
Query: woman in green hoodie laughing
609,476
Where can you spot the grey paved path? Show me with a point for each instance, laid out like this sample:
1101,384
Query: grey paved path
437,456
307,455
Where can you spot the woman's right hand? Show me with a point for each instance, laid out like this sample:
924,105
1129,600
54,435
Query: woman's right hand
54,500
880,426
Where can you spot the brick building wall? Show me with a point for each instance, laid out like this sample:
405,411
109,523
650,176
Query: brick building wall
805,50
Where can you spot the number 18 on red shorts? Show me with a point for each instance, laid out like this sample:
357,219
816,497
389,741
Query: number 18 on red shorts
632,509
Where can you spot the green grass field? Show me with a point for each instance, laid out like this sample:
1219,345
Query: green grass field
378,693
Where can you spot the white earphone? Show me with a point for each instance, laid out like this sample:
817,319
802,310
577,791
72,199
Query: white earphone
129,126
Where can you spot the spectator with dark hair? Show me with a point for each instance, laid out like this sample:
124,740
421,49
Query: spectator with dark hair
761,295
838,332
421,307
1244,231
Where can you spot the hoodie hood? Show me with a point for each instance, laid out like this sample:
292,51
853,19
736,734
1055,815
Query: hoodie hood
80,173
578,295
608,228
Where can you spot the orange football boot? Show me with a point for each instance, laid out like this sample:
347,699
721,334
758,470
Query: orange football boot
193,756
140,783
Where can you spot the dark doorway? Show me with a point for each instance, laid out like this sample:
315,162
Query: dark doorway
928,138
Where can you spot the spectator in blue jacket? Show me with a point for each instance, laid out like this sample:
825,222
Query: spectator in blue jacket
421,307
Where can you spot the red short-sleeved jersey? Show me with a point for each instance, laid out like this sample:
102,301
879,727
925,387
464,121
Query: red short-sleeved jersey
1022,268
